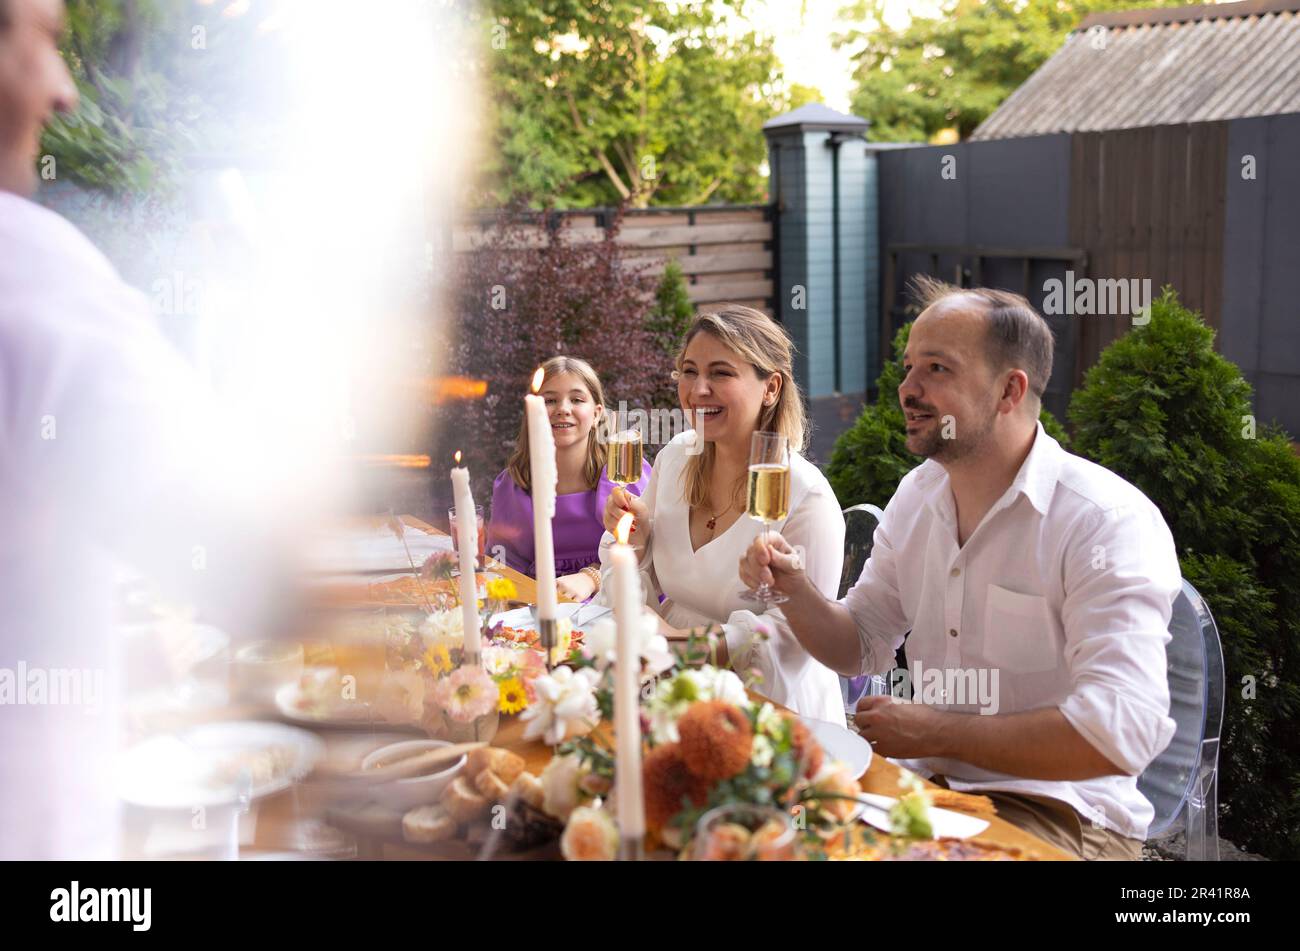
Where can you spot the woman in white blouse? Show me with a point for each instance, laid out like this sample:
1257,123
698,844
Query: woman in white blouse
734,377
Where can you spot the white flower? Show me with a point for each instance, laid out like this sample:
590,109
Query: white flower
602,642
762,752
769,721
560,781
401,698
498,661
672,697
730,689
565,706
441,626
663,721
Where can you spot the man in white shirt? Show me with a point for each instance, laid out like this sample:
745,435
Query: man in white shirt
109,452
1036,586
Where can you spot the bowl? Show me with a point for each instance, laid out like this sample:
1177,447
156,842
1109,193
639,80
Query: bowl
405,794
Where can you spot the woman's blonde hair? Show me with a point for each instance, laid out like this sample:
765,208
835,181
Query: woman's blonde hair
761,342
519,467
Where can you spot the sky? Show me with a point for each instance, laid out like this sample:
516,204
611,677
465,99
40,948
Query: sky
803,42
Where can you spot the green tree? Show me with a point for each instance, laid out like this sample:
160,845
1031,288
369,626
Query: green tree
627,101
1166,412
153,77
668,320
955,68
871,457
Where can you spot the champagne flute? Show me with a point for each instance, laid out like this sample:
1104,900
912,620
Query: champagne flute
767,496
625,457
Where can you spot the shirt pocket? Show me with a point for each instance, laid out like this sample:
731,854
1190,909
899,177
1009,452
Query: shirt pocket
1018,632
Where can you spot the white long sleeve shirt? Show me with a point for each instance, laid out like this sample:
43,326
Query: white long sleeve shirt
1065,590
104,445
703,587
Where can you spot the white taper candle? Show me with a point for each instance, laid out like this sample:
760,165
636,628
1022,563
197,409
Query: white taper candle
545,476
467,546
627,685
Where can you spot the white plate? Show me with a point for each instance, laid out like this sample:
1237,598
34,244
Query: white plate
345,717
522,618
184,770
945,823
373,551
841,744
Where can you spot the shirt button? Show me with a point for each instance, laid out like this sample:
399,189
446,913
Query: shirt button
952,632
956,572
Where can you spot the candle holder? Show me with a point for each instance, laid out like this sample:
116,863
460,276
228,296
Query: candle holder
631,848
548,636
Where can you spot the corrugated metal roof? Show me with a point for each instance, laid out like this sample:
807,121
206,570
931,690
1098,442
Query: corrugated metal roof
1157,67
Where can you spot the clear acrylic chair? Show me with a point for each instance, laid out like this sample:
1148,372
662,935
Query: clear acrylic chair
1182,782
860,523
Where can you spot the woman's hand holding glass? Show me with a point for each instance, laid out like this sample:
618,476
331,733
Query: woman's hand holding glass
620,502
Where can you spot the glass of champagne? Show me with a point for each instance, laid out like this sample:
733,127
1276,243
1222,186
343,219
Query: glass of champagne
625,457
767,495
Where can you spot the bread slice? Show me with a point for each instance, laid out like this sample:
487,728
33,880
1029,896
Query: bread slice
491,785
463,802
504,763
428,824
528,788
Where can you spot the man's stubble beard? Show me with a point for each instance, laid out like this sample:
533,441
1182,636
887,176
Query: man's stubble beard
965,443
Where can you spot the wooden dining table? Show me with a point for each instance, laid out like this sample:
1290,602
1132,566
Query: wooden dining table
318,819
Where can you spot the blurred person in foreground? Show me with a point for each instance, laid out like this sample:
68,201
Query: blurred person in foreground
109,454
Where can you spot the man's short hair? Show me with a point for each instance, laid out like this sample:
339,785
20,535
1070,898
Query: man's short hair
1018,336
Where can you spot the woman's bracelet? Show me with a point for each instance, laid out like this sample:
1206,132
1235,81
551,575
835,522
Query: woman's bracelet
593,572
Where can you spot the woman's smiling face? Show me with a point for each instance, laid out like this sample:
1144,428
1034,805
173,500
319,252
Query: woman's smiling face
571,408
722,392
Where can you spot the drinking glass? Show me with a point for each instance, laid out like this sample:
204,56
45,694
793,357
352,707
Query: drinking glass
455,537
625,457
767,495
745,832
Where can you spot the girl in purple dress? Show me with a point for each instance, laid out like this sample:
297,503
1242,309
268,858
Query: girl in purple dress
575,401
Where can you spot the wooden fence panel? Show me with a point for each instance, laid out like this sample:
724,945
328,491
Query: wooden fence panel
1149,204
726,253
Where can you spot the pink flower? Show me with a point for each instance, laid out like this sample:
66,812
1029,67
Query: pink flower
438,566
466,694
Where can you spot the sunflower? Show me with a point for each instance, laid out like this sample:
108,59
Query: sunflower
513,695
438,659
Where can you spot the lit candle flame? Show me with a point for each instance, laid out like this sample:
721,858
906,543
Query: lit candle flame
537,379
623,527
457,457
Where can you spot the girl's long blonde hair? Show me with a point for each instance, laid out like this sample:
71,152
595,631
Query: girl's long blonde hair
518,466
761,342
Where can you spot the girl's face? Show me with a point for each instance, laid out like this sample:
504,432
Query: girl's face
722,392
572,409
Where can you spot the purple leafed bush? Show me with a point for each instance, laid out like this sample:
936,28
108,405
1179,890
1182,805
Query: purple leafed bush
516,304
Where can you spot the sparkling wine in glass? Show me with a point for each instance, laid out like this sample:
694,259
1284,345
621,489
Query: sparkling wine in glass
625,457
767,495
